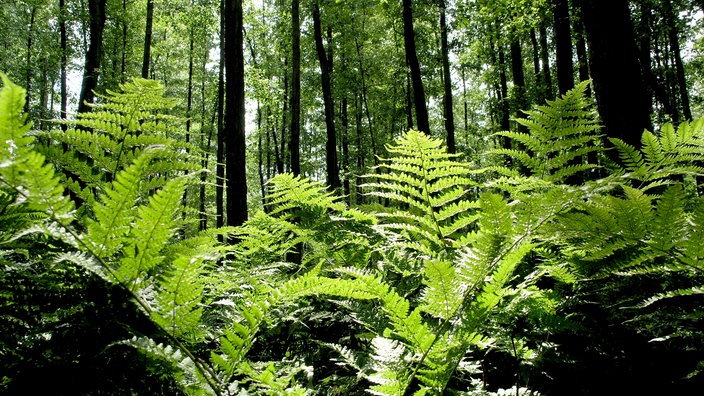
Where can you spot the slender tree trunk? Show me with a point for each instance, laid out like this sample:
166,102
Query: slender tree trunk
519,80
581,48
365,101
203,224
123,61
409,40
673,36
148,39
295,144
447,99
345,149
326,65
359,196
94,55
409,102
220,156
64,60
30,35
281,153
235,142
545,60
536,66
505,105
618,85
563,44
189,108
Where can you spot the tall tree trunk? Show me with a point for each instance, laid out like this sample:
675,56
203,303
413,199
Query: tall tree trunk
220,154
94,55
673,36
563,46
536,66
519,79
581,48
64,60
545,60
618,85
345,149
235,143
409,40
447,99
409,101
295,144
30,35
123,61
148,39
280,153
326,64
189,108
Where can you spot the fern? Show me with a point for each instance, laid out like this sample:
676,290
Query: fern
672,153
561,135
104,141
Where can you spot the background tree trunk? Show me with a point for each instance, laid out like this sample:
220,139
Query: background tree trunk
412,58
94,55
447,79
563,46
148,39
618,85
295,145
326,64
235,144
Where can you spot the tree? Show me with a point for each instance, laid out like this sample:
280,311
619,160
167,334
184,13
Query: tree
295,142
563,44
148,39
235,142
447,80
615,70
94,55
326,63
409,40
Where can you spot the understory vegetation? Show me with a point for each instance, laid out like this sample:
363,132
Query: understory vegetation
552,265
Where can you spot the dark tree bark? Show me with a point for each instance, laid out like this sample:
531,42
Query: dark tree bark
409,40
581,48
220,155
345,149
64,60
148,39
618,85
235,144
563,46
503,92
189,108
409,102
30,35
326,65
94,55
673,35
545,60
295,143
123,61
536,67
519,79
447,99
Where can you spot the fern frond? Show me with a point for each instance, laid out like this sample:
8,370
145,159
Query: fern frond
154,225
561,133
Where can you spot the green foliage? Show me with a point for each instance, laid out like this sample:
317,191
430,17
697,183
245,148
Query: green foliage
100,143
410,298
560,136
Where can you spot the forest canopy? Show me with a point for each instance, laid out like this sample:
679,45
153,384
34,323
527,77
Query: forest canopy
351,197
